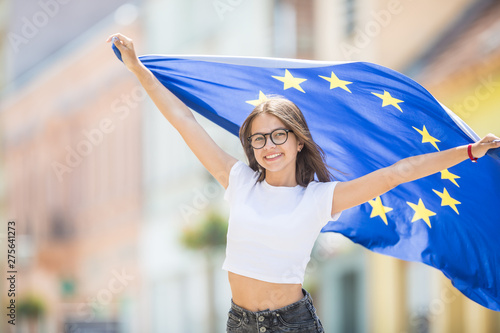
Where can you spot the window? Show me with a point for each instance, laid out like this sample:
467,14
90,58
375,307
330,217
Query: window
350,296
350,15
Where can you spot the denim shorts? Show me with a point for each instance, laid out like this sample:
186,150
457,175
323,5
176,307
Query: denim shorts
298,317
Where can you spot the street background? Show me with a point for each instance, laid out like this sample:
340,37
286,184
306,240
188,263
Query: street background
120,229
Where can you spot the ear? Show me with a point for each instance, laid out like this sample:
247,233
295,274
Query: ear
300,146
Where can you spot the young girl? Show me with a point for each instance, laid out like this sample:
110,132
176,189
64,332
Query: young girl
277,209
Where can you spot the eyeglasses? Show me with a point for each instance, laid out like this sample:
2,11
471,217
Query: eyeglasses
278,137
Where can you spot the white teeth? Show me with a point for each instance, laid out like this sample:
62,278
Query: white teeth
273,156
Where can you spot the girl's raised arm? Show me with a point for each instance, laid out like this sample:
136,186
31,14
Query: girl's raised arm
358,191
215,160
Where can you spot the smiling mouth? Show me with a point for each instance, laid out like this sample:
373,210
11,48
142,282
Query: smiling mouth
273,156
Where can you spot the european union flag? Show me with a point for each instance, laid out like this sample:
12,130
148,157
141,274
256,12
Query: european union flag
366,117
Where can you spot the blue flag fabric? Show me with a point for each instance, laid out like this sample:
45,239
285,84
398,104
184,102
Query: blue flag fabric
367,117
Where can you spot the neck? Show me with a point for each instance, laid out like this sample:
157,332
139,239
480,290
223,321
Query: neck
281,179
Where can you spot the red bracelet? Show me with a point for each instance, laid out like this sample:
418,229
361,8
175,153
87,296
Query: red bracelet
469,151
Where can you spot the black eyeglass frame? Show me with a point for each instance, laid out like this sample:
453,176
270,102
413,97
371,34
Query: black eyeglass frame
270,137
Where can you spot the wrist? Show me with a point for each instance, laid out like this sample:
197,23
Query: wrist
137,68
470,153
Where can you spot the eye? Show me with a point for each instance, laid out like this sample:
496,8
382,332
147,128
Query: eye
279,134
258,138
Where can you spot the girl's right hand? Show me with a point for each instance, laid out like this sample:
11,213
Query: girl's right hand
126,47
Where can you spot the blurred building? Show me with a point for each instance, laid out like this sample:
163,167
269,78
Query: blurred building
3,79
71,134
102,187
463,67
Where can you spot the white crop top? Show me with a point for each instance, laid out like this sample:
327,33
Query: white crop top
272,229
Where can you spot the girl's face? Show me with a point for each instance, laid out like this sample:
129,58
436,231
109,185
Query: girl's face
276,159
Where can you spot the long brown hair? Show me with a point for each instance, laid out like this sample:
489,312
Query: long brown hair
310,160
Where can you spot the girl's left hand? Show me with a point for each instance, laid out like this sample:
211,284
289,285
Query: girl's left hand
480,148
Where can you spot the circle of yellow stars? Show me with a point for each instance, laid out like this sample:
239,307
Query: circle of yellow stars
378,208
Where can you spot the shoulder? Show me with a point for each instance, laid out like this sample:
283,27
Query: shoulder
322,195
321,192
242,170
316,186
240,177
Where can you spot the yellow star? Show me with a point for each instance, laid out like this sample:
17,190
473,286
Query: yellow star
335,82
426,137
262,98
387,99
378,209
447,200
290,81
445,174
421,212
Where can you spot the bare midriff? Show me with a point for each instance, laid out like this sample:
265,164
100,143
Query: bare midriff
256,295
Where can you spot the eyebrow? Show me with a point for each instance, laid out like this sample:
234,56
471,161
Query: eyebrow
277,128
267,132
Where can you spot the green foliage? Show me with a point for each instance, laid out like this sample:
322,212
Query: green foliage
209,234
31,307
